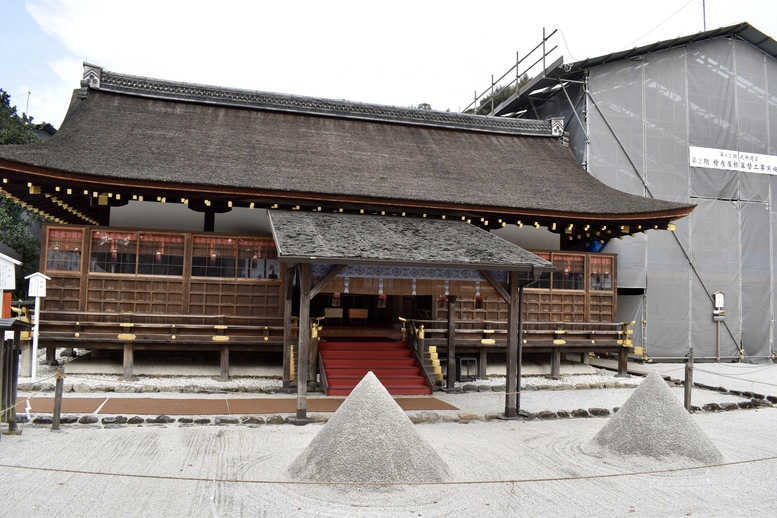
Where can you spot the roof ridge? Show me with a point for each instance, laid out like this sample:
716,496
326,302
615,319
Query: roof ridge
97,78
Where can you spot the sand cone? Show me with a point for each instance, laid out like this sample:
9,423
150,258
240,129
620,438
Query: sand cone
369,439
653,422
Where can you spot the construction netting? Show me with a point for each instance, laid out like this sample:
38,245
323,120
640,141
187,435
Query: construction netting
695,124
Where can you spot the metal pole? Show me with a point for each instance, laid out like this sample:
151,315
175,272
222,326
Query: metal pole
689,380
717,355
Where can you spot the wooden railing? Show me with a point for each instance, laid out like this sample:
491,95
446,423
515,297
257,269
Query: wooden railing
154,331
556,338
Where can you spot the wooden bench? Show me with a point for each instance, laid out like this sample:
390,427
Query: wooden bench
130,332
334,314
358,314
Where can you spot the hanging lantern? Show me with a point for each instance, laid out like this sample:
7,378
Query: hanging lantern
212,253
335,302
381,301
114,254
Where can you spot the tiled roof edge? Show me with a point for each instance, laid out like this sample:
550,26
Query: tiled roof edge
97,78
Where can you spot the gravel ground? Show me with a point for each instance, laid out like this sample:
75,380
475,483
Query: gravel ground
538,467
498,468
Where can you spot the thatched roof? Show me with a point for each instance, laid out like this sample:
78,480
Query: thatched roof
334,238
241,146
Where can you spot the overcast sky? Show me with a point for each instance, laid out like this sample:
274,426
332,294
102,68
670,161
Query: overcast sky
398,52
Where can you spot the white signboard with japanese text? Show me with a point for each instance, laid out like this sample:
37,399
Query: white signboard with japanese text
732,160
7,276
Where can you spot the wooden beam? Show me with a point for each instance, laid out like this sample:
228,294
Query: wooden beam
328,277
495,284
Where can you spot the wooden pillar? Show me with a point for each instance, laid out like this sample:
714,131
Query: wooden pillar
623,363
451,377
304,346
555,363
313,351
224,363
5,401
210,222
513,386
288,287
129,360
483,364
104,215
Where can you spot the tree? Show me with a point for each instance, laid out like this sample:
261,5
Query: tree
13,128
16,223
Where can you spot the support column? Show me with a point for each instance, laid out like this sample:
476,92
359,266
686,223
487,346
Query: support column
129,360
451,377
287,273
304,346
513,358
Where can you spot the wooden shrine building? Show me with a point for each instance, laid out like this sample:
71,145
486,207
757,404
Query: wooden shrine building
192,217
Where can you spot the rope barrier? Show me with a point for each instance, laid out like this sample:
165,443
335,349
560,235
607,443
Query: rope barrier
4,410
395,483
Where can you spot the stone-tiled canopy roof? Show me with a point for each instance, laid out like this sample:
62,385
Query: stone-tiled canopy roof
335,238
214,148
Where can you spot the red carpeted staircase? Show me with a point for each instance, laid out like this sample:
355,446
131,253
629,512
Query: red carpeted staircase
393,363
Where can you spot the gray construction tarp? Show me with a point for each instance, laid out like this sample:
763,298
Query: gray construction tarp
643,116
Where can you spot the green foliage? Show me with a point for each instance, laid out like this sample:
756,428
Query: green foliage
16,223
13,128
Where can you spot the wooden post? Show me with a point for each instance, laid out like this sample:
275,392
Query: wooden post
451,377
288,287
129,360
57,402
304,346
512,401
15,353
688,381
555,363
224,357
483,364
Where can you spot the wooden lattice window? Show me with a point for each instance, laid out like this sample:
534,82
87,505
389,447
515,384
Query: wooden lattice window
601,273
161,254
64,247
228,257
113,252
569,273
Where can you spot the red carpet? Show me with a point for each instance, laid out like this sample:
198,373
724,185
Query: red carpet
393,363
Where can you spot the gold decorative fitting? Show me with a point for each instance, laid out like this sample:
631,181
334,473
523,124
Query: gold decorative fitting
220,338
126,324
173,337
220,326
488,341
559,342
77,335
127,337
